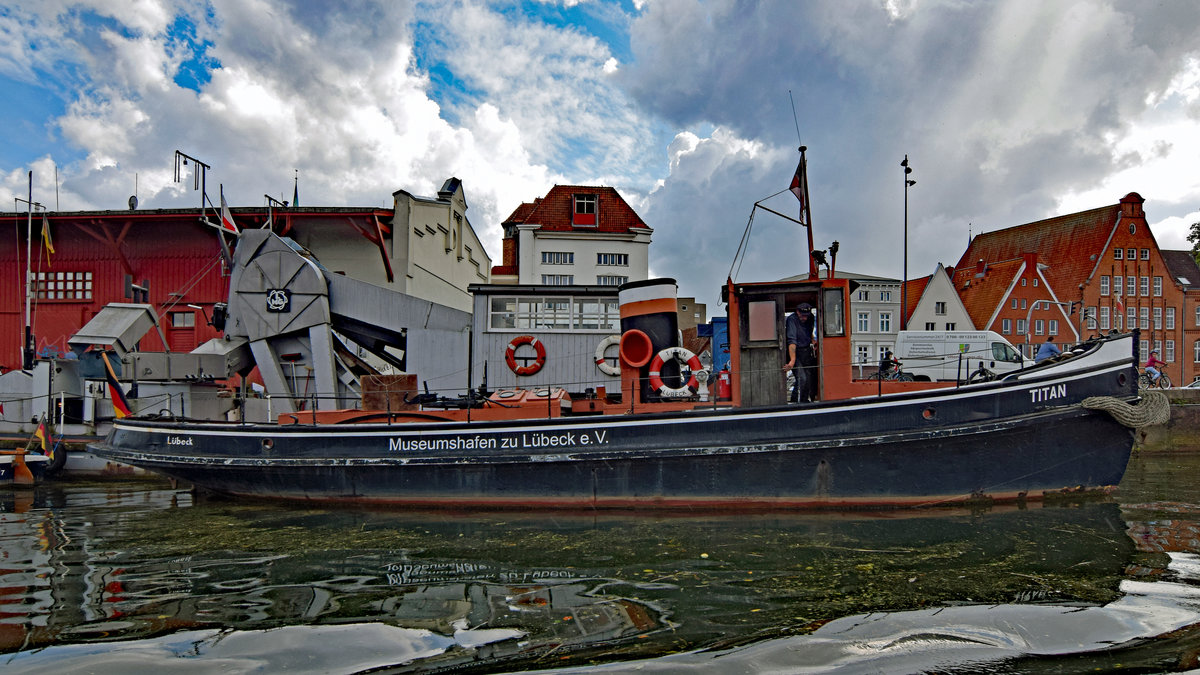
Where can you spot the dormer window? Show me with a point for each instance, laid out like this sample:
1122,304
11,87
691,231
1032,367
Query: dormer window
585,210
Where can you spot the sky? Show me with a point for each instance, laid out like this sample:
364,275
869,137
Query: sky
1009,112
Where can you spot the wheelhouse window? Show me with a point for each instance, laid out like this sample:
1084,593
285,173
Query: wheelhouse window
183,319
553,313
584,213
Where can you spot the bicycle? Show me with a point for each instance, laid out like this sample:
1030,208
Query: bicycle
896,374
1146,382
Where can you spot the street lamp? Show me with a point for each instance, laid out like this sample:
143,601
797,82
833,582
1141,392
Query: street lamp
908,182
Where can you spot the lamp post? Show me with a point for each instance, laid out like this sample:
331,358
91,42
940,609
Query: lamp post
908,182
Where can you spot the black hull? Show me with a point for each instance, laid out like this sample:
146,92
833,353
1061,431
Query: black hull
1011,440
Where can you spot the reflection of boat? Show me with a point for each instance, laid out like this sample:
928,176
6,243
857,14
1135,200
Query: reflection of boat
659,442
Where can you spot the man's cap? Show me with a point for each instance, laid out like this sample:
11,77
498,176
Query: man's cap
804,307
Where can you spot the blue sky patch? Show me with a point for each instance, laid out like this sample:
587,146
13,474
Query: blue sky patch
195,71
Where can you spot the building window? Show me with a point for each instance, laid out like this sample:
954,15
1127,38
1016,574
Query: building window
1022,303
1196,351
1035,282
1131,318
1039,327
1145,254
929,325
1005,326
1118,285
1158,287
1198,315
585,210
1158,318
1131,286
1145,284
1104,285
612,280
950,325
1053,326
1024,281
1105,318
864,353
69,286
1170,318
1014,303
1118,253
1020,326
558,258
939,308
864,322
885,296
1169,351
1143,350
183,319
617,259
864,296
883,349
561,313
885,322
1145,318
1131,254
558,279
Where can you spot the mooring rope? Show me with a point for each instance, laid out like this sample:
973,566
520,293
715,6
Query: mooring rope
1154,408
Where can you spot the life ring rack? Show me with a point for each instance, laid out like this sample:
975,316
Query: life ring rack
601,362
683,356
510,355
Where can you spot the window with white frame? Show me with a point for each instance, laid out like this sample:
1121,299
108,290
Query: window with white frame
1145,286
1014,303
1158,346
1118,253
1145,254
1022,303
1052,326
1198,315
939,308
1006,326
558,258
1158,287
1158,316
1131,254
885,296
883,349
929,325
864,296
1143,350
1105,318
1118,285
950,325
1196,351
1170,318
864,322
76,286
1131,286
1169,351
1145,318
1131,317
617,259
863,352
585,210
610,280
1090,313
558,279
1104,281
1039,327
885,322
1020,326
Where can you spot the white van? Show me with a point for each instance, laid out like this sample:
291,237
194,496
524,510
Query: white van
954,355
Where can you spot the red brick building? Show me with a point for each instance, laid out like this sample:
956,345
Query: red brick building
1104,264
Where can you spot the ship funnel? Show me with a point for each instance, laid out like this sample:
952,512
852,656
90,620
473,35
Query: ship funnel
648,307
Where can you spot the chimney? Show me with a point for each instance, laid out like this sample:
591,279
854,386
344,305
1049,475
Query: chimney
980,268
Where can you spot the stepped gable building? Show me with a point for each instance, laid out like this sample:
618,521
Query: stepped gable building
1079,274
575,235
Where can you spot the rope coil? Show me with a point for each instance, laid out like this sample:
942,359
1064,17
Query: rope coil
1154,408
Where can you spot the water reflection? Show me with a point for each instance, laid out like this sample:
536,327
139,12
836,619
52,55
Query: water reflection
136,575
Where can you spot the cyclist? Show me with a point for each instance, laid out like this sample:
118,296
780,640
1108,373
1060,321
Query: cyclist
1152,365
886,366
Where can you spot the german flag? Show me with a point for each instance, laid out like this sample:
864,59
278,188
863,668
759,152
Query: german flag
120,405
42,437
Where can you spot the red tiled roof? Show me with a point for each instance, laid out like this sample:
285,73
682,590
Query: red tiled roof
1065,243
553,212
913,291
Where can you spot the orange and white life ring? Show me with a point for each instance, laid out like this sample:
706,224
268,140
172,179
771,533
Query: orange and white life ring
685,358
510,355
601,362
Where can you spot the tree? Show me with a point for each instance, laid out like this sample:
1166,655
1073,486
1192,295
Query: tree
1194,237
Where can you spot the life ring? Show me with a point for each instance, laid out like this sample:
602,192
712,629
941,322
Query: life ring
601,362
510,355
683,356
